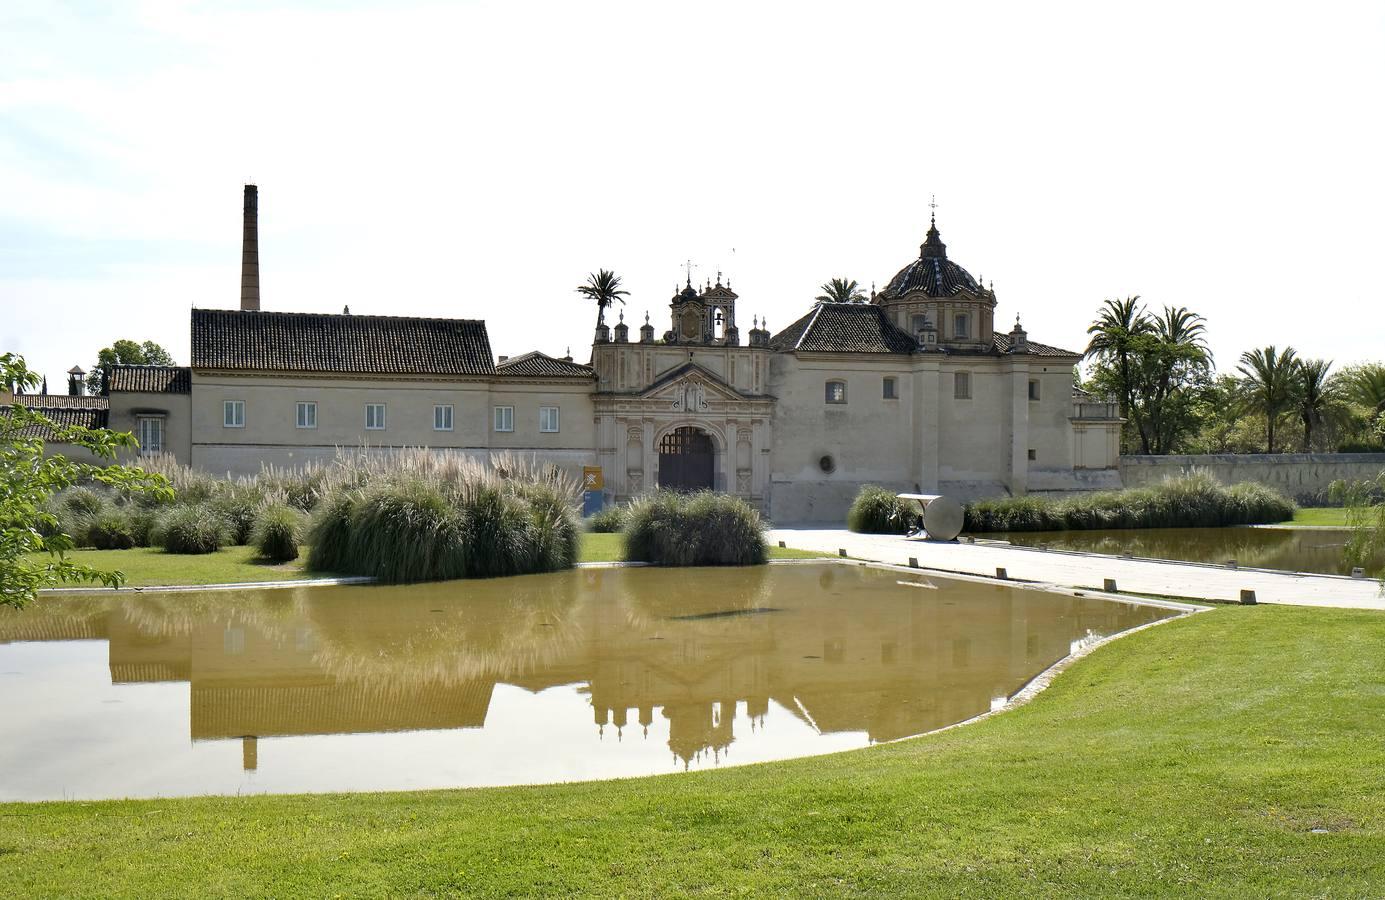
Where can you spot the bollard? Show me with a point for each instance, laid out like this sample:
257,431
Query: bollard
913,562
1109,585
1127,555
1247,597
782,544
841,551
1358,572
1231,563
1000,573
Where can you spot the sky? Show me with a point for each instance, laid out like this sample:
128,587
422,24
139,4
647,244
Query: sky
477,160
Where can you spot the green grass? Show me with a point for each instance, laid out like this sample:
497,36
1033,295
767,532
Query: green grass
146,566
1192,759
149,566
1320,515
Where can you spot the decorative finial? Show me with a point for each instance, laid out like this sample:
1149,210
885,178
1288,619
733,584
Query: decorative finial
933,207
1017,321
992,288
621,321
646,317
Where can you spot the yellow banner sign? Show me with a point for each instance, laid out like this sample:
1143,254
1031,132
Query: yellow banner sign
591,478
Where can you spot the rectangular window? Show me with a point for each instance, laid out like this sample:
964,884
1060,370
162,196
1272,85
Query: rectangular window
891,389
307,414
375,417
150,431
548,419
442,417
233,414
1033,389
1033,455
961,386
504,418
836,392
960,325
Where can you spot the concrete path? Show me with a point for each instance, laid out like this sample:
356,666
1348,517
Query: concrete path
1090,570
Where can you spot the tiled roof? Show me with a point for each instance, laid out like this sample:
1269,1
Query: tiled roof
59,401
149,379
844,328
321,342
61,409
1002,345
537,365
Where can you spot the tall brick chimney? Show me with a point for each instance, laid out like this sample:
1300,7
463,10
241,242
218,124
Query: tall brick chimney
250,251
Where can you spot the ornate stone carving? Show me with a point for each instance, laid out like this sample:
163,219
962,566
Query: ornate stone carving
743,481
690,396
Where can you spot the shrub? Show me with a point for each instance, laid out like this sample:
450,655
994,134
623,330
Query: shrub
405,531
275,534
878,511
144,523
702,529
553,524
195,528
608,520
110,529
83,501
238,503
1195,500
329,534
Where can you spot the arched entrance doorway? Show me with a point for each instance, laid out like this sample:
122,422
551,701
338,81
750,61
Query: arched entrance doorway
685,460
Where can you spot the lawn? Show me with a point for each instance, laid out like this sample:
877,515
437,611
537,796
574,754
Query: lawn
1195,758
144,567
1320,515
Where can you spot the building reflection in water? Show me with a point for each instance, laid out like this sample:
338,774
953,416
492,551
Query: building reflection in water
844,649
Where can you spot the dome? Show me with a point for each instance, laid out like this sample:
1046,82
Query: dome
932,273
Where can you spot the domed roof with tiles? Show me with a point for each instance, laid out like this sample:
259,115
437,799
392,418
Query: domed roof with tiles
932,274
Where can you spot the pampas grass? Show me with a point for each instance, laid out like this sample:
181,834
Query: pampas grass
275,534
196,528
878,511
702,529
1195,500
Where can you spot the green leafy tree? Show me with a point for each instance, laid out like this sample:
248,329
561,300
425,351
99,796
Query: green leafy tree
1174,360
604,288
1269,382
1365,505
30,560
126,353
841,290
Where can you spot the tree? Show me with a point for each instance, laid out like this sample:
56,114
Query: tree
1174,359
841,290
1116,341
1317,397
1365,386
604,288
126,353
28,479
1268,384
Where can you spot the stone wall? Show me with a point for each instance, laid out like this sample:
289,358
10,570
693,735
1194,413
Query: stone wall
1303,476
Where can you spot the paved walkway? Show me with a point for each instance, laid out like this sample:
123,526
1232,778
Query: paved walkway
1090,570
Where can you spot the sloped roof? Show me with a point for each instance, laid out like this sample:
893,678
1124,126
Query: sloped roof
149,379
844,328
538,365
322,342
62,409
1002,345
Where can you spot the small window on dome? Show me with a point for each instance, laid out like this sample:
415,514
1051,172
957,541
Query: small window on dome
961,325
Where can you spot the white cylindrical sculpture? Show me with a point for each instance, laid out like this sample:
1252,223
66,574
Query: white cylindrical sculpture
942,517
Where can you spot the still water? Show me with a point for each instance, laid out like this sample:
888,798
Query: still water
1317,550
585,674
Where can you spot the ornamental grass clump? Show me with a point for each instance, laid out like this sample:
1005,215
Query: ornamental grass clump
195,528
429,519
702,529
1194,500
275,535
110,529
607,521
878,511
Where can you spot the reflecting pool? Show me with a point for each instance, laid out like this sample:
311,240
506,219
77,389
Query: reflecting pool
585,674
1318,550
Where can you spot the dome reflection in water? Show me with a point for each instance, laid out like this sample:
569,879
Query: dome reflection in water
584,674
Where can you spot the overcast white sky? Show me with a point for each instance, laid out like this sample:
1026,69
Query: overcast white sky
477,160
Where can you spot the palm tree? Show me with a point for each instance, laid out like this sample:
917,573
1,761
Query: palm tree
1268,382
1178,357
1365,385
1119,327
1318,397
840,290
604,288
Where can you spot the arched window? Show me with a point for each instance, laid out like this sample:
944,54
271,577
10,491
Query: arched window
836,392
